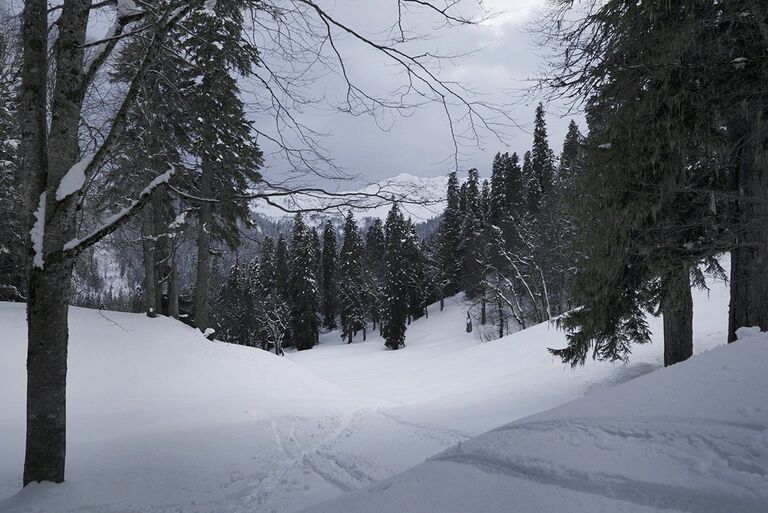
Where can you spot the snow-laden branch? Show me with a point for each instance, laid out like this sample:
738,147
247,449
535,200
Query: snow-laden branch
75,246
74,179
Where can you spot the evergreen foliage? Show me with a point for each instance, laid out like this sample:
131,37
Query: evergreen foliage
396,304
351,283
375,272
303,291
12,244
329,276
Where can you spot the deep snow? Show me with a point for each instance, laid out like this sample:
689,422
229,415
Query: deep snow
162,420
691,438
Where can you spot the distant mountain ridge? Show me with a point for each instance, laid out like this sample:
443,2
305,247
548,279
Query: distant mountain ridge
421,198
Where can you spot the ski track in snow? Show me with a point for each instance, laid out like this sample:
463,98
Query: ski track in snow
454,433
302,455
729,457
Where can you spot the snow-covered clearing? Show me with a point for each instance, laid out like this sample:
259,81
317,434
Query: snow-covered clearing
691,438
162,420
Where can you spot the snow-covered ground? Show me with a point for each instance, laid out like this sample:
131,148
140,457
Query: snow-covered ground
691,438
162,420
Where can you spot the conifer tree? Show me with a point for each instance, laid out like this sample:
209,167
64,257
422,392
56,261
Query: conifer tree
470,239
542,158
571,159
418,292
450,234
12,254
303,287
351,282
282,269
224,142
329,276
232,308
271,313
498,194
514,189
532,186
396,290
266,280
375,272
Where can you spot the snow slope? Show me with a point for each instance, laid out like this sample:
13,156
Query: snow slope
690,438
162,420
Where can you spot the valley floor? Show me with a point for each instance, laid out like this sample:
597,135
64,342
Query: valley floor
162,420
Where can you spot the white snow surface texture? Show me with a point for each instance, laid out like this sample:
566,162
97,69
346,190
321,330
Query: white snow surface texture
161,420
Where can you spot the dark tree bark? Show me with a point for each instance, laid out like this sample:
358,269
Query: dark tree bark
677,309
49,281
204,227
173,291
749,258
150,274
500,309
159,225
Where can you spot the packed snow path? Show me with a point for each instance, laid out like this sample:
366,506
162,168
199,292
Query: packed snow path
162,420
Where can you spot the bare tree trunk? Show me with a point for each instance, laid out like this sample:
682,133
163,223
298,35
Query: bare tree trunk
482,310
49,281
204,227
749,259
148,249
47,373
677,309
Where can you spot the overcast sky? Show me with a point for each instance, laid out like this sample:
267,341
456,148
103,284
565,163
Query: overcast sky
506,62
507,59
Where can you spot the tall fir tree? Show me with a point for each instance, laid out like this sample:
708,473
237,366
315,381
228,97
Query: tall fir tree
532,186
396,290
498,194
514,189
329,276
12,246
224,143
469,239
450,234
542,158
375,272
351,282
282,268
303,287
418,291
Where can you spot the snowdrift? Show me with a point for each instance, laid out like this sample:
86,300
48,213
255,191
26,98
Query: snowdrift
692,437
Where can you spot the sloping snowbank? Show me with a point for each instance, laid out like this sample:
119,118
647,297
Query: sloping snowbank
692,437
162,420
